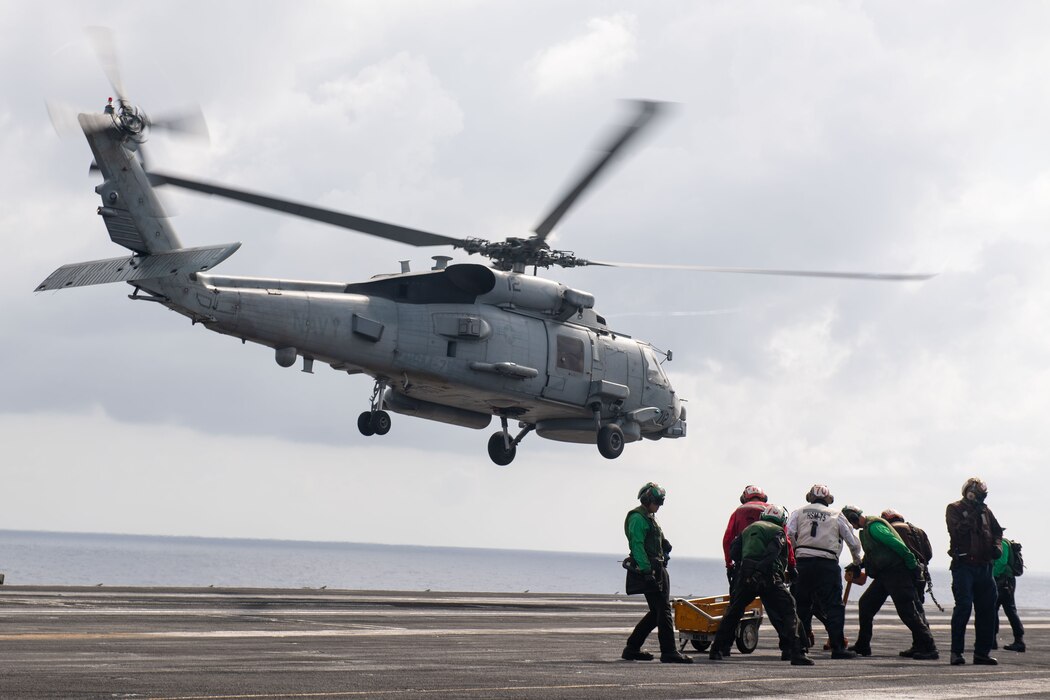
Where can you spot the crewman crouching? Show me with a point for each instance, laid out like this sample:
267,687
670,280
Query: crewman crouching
762,551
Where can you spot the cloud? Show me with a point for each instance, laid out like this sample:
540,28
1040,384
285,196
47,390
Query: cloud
608,46
860,137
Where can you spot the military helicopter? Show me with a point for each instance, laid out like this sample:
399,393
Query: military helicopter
459,343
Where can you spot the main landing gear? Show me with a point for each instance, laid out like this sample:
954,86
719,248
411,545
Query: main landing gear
502,447
610,441
375,421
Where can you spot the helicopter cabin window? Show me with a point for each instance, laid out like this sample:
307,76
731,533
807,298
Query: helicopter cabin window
570,353
653,371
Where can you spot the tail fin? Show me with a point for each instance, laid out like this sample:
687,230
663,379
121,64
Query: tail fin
134,219
138,267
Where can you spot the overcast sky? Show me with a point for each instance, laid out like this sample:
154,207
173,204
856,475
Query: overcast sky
888,136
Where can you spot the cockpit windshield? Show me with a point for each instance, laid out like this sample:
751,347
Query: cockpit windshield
653,371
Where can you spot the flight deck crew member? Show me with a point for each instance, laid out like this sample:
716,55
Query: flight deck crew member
976,542
752,505
919,544
817,530
1005,585
895,570
647,574
762,551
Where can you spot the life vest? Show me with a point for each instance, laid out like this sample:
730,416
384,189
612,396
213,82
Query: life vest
654,536
815,532
877,556
755,541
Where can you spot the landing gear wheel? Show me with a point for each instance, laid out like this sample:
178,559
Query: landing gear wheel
610,441
380,422
700,645
364,424
498,451
747,637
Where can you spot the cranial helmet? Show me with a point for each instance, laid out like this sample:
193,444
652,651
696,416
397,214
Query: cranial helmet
974,486
775,514
892,516
753,493
820,492
652,493
852,514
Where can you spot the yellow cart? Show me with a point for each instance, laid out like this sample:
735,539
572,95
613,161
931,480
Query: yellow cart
697,622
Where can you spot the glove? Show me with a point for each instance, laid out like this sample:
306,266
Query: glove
731,574
655,580
919,573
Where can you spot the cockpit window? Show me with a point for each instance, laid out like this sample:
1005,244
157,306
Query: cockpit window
653,371
570,353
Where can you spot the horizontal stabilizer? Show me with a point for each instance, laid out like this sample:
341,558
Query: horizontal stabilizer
138,267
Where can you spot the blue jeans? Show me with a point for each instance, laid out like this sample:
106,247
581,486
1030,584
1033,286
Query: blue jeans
973,587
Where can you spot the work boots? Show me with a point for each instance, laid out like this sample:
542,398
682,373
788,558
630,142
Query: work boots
843,653
630,654
1018,645
984,660
675,658
800,658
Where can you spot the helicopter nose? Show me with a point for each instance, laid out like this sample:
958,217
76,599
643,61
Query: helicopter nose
677,410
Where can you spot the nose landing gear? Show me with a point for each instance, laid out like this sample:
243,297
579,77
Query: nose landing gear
375,421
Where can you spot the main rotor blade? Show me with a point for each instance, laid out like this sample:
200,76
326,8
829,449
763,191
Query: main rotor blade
879,276
189,122
106,50
646,111
381,229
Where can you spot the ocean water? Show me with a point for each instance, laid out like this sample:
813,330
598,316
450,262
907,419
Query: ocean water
79,559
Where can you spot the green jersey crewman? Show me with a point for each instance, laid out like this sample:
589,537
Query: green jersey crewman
895,571
647,574
1006,584
762,551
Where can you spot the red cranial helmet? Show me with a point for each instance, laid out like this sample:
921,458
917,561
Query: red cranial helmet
752,493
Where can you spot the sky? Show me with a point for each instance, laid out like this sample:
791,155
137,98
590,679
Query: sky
882,136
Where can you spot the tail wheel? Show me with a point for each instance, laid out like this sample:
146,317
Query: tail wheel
610,441
364,424
498,451
380,422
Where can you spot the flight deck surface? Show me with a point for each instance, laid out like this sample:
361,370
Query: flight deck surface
214,643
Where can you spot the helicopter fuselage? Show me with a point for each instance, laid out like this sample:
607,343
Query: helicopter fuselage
457,345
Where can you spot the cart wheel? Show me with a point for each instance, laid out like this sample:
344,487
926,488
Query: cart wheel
700,645
747,637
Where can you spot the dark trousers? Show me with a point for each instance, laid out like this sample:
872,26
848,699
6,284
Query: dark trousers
973,588
658,618
819,583
1005,587
780,609
900,587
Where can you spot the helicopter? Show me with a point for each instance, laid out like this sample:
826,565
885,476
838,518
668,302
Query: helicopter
458,344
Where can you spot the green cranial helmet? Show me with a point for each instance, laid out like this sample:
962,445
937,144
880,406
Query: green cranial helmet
775,514
652,493
852,514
